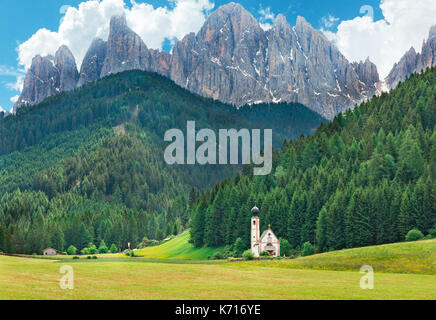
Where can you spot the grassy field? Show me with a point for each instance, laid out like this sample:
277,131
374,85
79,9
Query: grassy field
22,278
178,248
402,271
407,257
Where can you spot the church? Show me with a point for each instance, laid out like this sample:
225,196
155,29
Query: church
267,241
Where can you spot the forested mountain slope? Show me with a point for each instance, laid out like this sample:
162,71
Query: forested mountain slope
88,165
366,178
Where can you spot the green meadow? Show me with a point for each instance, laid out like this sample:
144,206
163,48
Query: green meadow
178,248
402,271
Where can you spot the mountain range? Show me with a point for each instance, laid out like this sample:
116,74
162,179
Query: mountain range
231,59
413,62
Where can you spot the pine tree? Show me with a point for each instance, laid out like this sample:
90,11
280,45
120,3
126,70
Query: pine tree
321,231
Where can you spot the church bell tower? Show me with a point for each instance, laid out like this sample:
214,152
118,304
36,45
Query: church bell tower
255,232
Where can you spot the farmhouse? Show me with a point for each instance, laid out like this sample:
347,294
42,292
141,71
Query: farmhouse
49,252
268,241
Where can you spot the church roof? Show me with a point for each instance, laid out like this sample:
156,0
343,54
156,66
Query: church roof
265,233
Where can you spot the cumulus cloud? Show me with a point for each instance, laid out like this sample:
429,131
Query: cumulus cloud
329,21
15,98
266,18
19,74
80,25
406,23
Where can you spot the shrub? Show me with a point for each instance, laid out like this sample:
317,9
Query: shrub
75,258
248,255
113,248
285,247
88,257
129,253
85,251
72,250
239,247
308,249
93,249
94,257
414,235
103,248
218,255
432,232
264,254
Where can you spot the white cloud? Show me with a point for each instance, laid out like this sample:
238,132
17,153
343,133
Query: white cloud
406,23
266,18
19,74
329,21
9,71
91,19
15,98
18,84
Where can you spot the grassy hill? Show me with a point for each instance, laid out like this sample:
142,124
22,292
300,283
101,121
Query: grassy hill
178,248
408,257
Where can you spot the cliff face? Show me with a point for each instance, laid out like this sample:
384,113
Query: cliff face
125,49
232,59
93,62
48,76
413,62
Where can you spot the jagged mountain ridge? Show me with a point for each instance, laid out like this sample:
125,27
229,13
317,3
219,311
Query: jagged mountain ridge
231,59
413,62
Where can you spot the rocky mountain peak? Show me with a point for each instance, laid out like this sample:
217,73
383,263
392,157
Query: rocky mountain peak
229,20
413,62
432,32
125,49
367,71
231,59
280,22
118,22
93,62
302,23
66,65
42,80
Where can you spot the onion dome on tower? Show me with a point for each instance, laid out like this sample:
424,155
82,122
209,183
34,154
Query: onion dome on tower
255,211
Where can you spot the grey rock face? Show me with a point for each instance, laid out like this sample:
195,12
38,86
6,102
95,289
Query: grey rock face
66,65
160,62
222,59
93,62
234,60
48,76
413,62
367,71
125,49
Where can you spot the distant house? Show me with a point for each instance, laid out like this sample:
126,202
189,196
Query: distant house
49,252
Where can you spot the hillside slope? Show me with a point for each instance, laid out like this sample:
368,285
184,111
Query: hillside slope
366,178
407,257
87,165
178,248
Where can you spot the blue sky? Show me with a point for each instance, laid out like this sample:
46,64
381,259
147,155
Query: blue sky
19,20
